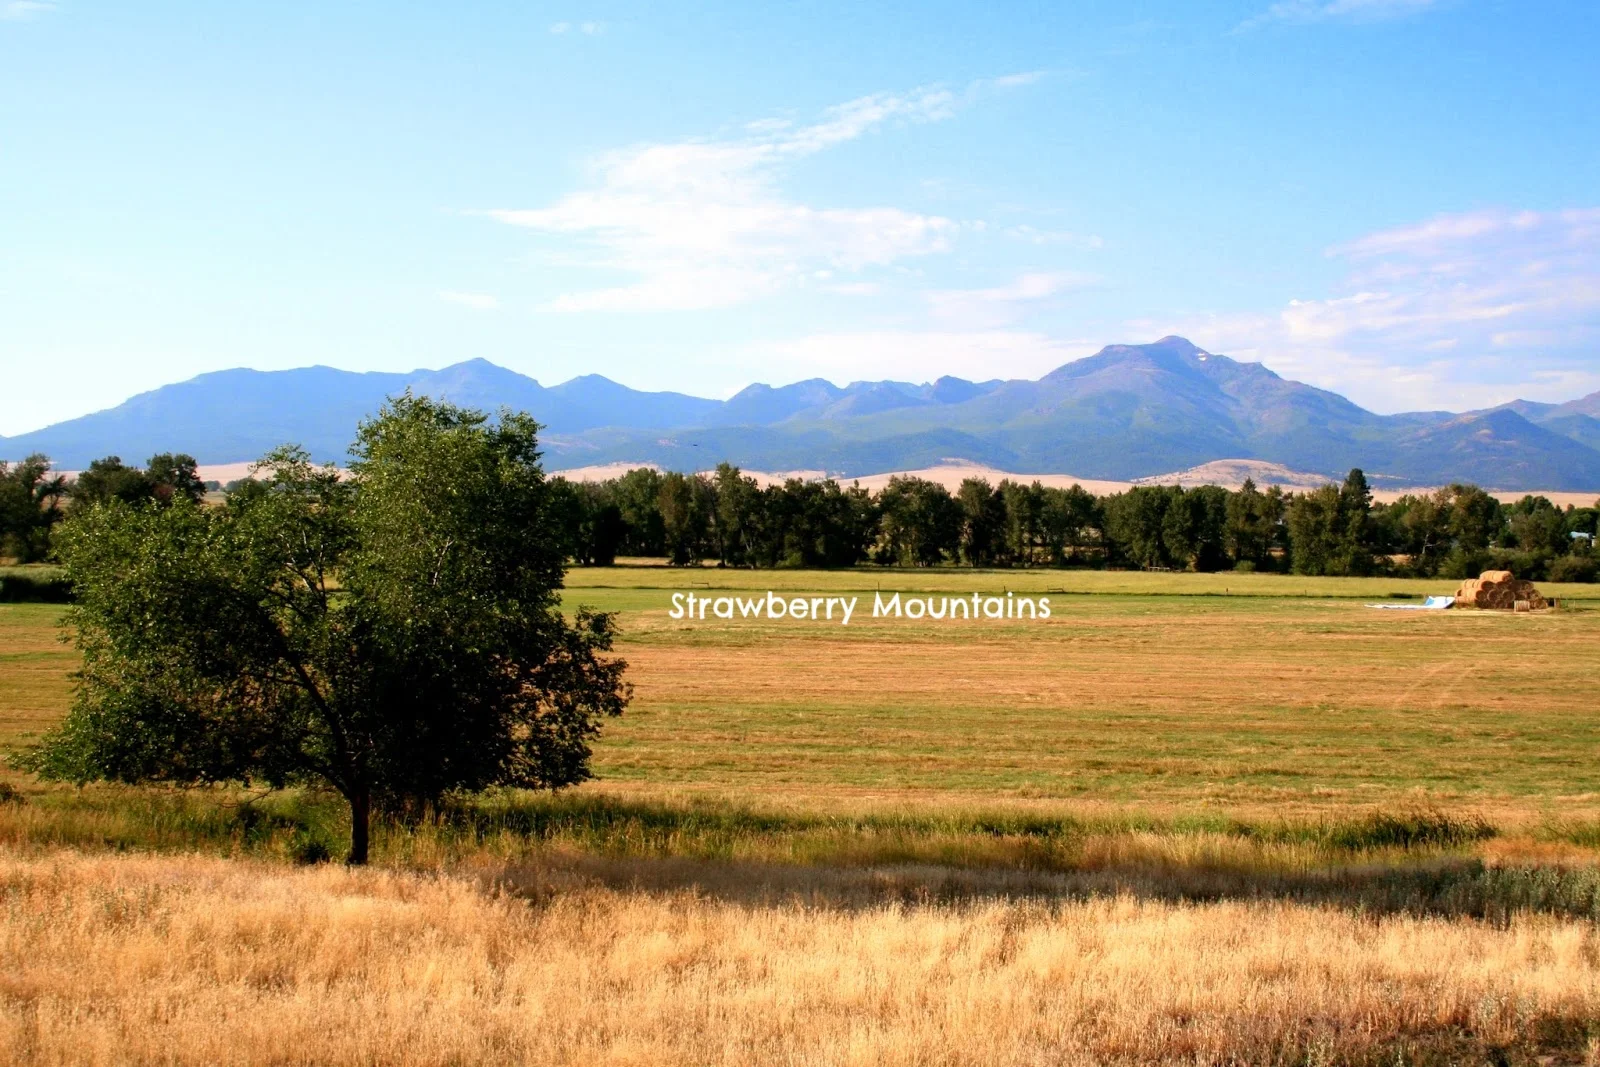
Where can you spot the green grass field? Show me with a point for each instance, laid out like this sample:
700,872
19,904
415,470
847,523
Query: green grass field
1264,694
1147,699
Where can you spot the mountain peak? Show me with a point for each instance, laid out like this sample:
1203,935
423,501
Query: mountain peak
1171,353
1173,343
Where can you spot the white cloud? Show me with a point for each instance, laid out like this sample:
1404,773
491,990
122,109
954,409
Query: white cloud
475,301
1324,10
1004,303
1012,81
704,223
1030,234
1459,311
17,10
560,27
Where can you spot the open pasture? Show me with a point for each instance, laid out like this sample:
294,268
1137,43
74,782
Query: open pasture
1265,694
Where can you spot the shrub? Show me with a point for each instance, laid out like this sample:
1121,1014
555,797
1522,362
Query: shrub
1461,563
1574,569
50,587
1527,565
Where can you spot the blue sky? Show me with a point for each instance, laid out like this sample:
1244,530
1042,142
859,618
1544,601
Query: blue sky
1398,199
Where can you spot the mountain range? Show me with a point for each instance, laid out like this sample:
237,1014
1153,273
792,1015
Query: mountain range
1128,411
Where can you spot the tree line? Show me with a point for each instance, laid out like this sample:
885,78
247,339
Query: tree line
34,498
727,517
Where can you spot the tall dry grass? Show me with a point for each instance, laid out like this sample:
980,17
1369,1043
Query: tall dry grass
184,960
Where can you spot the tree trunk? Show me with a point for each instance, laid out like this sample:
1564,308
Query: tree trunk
360,820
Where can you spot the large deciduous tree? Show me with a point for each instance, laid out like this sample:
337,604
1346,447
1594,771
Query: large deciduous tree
395,635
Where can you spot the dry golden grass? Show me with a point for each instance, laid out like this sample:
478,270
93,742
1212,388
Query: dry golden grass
181,960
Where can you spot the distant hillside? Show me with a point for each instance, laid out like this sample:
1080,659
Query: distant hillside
1127,412
236,415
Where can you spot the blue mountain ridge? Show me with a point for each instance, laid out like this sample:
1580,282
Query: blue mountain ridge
1128,411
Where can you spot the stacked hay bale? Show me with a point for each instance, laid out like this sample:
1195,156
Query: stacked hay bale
1498,590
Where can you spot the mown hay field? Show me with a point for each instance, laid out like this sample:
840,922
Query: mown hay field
1236,692
1260,695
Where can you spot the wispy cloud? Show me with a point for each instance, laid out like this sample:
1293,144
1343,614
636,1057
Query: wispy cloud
475,301
1005,303
18,10
590,28
704,223
1014,81
1325,10
1458,311
1036,236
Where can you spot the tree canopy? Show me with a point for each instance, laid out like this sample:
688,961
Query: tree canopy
30,506
395,635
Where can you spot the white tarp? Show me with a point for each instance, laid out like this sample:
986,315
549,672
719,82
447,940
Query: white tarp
1433,603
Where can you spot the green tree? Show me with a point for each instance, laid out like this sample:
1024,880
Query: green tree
921,521
815,524
173,476
30,506
1331,529
983,519
1024,525
1136,525
395,636
1315,535
1070,521
684,502
1418,527
1354,533
1250,525
1476,518
590,524
738,515
1534,524
110,479
1193,529
637,495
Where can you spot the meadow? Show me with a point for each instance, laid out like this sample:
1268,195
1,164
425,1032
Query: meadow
1190,818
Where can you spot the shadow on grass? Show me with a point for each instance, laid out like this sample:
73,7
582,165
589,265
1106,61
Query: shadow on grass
1382,863
1462,888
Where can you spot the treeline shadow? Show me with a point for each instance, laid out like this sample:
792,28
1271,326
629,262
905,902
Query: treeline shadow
1460,888
1423,862
1381,863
